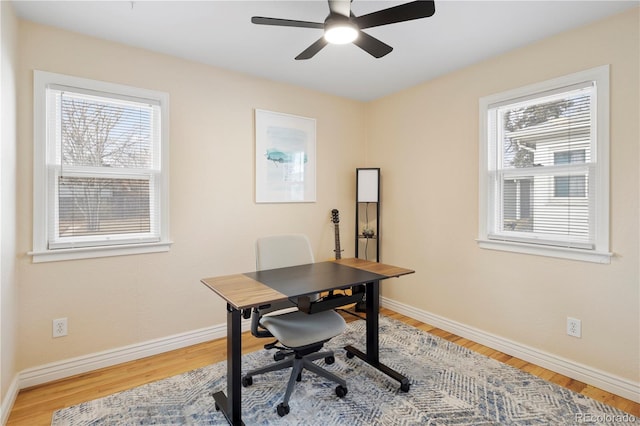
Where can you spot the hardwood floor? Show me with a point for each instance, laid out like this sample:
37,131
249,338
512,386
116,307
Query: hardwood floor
35,406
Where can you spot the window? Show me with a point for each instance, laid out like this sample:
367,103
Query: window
100,169
570,186
544,173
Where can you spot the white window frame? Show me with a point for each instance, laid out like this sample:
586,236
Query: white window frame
42,205
600,252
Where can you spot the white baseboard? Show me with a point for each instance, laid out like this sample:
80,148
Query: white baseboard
617,385
84,364
8,401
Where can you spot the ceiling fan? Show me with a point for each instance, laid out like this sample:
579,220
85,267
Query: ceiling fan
341,26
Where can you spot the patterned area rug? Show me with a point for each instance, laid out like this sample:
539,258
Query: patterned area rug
450,385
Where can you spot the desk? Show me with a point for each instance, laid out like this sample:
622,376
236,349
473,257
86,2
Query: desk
244,291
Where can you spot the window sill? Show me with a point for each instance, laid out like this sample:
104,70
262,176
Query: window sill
548,251
93,252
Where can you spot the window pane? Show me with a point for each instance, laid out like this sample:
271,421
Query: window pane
104,167
576,156
517,205
542,145
530,205
100,206
535,130
100,132
571,185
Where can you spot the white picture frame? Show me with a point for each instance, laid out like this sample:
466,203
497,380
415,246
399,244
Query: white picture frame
285,158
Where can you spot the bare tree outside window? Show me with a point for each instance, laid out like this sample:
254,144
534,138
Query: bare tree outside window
100,143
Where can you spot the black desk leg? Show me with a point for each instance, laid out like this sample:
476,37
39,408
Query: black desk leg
231,405
373,323
372,357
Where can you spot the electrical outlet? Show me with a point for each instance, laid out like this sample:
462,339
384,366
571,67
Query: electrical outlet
574,327
59,327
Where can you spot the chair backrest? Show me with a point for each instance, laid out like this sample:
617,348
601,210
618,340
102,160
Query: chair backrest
279,251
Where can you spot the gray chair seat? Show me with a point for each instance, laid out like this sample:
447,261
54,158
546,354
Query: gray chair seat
297,329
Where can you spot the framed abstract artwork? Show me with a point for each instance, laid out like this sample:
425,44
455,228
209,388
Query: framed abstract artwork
285,158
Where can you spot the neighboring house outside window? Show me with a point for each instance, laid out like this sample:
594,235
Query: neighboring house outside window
100,169
544,168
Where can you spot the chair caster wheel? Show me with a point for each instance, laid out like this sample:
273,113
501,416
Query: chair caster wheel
282,409
217,406
329,360
404,386
278,356
350,355
341,391
247,381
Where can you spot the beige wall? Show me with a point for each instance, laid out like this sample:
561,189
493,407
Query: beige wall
426,141
8,281
117,301
429,221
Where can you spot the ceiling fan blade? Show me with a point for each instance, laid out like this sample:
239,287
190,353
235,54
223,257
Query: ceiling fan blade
340,7
310,51
404,12
372,45
261,20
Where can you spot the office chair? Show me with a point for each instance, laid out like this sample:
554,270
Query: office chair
300,335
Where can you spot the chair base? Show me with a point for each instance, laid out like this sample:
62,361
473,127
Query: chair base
298,363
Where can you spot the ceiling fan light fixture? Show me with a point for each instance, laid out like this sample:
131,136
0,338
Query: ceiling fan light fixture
341,26
340,32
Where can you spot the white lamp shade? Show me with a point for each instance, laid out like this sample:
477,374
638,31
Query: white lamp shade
368,182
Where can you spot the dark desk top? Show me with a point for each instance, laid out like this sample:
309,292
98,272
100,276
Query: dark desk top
313,278
255,288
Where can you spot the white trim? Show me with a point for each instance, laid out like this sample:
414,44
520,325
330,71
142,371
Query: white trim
599,218
83,364
547,250
601,379
42,251
8,400
86,363
98,251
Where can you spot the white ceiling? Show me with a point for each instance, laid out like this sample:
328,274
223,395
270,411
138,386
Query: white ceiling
220,33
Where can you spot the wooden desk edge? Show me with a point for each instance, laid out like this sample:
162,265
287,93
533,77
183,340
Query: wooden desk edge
242,292
389,271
